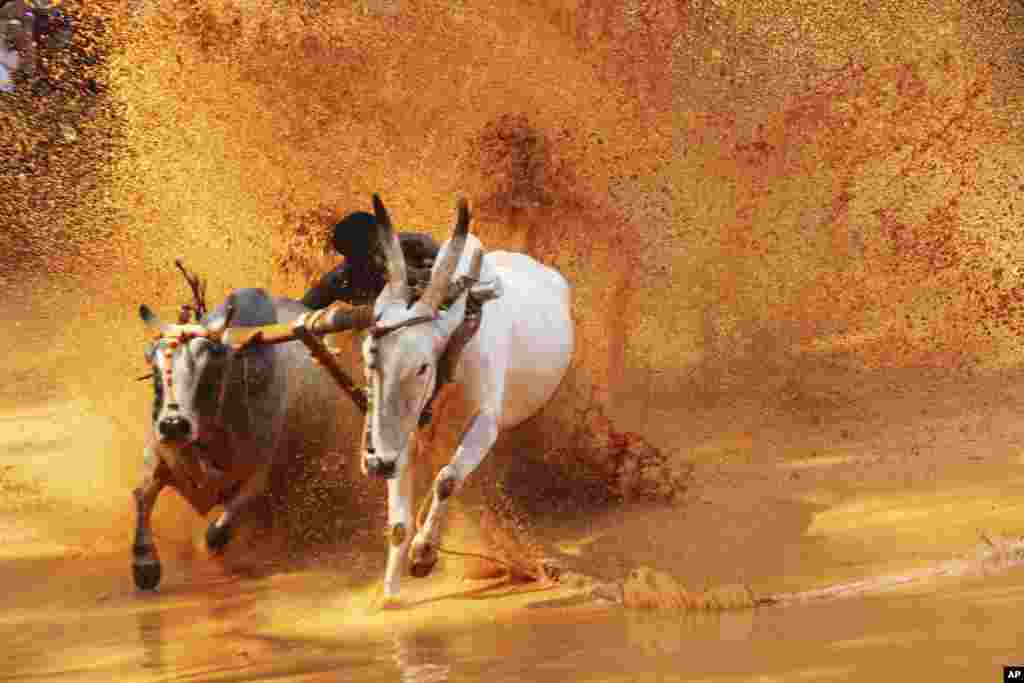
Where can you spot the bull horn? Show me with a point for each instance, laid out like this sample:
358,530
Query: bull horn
151,320
438,287
392,249
216,330
476,264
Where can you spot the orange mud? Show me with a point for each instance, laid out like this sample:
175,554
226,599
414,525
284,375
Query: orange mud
793,236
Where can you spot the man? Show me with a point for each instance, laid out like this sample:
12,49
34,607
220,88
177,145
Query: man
363,274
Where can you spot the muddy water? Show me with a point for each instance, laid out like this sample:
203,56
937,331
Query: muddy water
78,621
927,596
85,630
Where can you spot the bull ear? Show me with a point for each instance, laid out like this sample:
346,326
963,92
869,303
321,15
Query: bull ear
151,320
148,316
434,296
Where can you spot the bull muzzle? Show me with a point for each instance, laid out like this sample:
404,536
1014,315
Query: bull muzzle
379,467
174,428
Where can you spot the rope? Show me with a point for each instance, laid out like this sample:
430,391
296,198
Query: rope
421,519
422,513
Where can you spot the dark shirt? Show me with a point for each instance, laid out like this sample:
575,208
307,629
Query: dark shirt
362,276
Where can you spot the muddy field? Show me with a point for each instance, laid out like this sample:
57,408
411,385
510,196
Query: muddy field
789,442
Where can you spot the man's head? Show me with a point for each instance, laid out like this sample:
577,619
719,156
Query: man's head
354,236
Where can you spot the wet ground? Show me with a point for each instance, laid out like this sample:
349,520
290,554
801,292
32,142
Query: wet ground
927,555
212,630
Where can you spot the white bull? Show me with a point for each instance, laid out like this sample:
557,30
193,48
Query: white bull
508,371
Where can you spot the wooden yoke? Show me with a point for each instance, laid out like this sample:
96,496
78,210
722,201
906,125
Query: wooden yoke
338,317
241,338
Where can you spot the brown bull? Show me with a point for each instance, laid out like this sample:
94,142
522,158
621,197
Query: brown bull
220,410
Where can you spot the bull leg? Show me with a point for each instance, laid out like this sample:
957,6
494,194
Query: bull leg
145,561
399,526
219,533
475,445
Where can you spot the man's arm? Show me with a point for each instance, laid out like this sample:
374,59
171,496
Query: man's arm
327,289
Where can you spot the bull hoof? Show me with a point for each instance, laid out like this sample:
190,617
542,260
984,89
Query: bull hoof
217,537
421,570
147,574
422,558
388,602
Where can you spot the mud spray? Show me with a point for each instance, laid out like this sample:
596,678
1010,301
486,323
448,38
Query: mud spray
763,208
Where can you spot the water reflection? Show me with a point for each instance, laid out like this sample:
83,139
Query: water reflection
151,637
422,656
670,635
175,638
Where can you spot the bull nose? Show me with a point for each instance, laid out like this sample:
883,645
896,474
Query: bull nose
376,467
174,428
